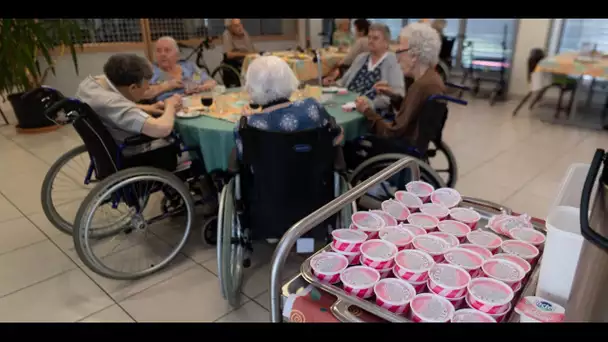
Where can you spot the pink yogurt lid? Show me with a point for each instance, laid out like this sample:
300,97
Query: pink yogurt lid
504,270
482,251
414,260
514,258
529,235
423,220
449,276
484,239
446,196
465,215
430,244
359,277
490,291
398,236
449,238
540,309
329,262
409,199
432,308
349,235
378,250
388,219
413,229
367,221
464,258
419,188
394,291
455,228
505,224
436,210
521,249
472,316
396,209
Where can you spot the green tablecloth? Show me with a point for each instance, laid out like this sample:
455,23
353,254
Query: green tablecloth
216,138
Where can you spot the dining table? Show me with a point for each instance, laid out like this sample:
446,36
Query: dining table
213,131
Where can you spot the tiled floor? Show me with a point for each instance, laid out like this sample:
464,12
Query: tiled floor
515,161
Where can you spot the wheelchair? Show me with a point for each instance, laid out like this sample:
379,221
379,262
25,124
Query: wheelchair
372,153
225,74
281,178
134,198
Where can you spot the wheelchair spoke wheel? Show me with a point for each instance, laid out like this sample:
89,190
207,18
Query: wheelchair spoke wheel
442,160
227,76
140,247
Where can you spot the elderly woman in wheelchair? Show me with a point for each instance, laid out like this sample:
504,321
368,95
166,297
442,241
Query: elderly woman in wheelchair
420,117
286,170
143,200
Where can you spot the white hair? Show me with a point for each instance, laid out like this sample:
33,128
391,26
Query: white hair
169,39
424,43
268,79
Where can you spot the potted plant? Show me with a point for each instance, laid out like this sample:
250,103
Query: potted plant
25,44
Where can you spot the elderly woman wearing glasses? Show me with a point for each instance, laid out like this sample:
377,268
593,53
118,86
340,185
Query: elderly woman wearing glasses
418,54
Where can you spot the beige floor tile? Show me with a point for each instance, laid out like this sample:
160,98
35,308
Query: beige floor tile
114,314
192,296
250,312
18,233
263,300
533,205
65,298
472,186
7,210
32,264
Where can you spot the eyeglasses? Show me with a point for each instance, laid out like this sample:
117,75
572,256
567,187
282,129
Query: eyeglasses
400,51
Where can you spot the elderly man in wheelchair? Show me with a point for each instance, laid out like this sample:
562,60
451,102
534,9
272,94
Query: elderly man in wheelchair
419,121
143,203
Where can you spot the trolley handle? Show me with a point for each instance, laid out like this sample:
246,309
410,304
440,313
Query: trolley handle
303,226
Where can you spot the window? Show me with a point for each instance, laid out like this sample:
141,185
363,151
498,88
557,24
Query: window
487,36
256,27
117,30
394,25
578,31
178,28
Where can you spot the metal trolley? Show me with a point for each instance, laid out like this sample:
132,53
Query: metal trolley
340,309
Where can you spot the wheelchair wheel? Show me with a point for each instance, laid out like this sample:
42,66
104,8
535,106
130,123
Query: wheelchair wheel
137,194
441,159
231,244
209,231
227,75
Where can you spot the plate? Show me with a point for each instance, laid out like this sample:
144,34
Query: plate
188,115
330,89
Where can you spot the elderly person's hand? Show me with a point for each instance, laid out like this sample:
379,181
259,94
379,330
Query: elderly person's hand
362,104
174,101
382,87
207,86
339,138
329,80
175,84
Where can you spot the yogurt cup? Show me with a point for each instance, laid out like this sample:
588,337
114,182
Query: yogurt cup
413,266
385,273
529,235
396,209
419,286
465,215
411,201
534,309
413,229
457,302
431,308
432,245
389,220
367,222
482,251
347,240
327,266
378,254
471,316
466,259
498,317
439,211
504,270
448,281
421,189
502,224
428,222
487,240
398,236
456,228
489,295
449,238
354,258
394,294
359,281
514,258
521,249
447,197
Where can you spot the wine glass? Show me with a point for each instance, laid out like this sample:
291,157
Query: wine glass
207,100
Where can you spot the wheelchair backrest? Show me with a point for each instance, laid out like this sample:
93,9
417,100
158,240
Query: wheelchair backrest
286,176
447,44
431,120
536,55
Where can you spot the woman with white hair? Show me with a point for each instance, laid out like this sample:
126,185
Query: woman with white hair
270,82
342,36
171,76
418,54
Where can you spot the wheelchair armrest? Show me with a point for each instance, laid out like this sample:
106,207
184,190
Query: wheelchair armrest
448,98
138,140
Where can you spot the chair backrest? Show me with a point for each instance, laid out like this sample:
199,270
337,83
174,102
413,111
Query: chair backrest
447,44
285,176
536,55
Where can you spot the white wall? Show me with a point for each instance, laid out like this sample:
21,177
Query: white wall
532,33
316,27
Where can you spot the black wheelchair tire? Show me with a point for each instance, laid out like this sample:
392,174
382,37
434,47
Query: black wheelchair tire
452,165
225,68
209,231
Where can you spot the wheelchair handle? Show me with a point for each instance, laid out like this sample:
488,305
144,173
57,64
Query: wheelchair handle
457,86
41,89
306,224
449,99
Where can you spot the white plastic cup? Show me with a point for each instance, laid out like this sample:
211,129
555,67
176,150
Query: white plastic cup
359,281
411,201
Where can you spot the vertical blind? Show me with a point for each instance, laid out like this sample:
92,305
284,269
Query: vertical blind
578,31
